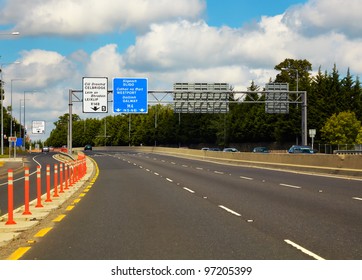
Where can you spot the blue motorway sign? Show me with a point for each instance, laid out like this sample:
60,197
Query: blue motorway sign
130,95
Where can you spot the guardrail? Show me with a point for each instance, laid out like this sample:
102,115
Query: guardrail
347,152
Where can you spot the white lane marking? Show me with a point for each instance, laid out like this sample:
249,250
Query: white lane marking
199,168
189,190
230,211
156,173
218,172
246,178
163,160
305,251
290,186
173,162
184,165
170,180
357,198
148,170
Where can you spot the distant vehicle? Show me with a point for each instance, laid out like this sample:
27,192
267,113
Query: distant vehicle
205,149
215,149
45,149
260,150
233,150
296,149
87,147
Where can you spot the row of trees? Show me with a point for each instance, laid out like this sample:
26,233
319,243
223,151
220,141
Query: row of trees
334,110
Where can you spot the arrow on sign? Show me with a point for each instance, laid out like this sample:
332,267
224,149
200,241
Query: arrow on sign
95,108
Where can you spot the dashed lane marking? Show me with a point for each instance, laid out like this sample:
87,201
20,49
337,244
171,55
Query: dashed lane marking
18,253
170,180
290,186
357,198
59,218
189,190
43,232
305,251
230,211
246,178
218,172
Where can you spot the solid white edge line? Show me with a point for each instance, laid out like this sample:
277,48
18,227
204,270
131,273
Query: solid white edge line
230,211
189,190
290,186
305,251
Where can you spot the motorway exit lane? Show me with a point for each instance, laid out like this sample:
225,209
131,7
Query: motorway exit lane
133,213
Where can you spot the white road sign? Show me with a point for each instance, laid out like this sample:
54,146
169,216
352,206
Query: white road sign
95,95
38,127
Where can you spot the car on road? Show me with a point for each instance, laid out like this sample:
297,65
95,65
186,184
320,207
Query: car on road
297,149
260,150
45,149
233,150
88,147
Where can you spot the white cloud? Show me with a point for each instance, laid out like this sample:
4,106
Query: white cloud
323,16
182,50
79,17
105,62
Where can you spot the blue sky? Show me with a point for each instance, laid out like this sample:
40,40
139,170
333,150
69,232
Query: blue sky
167,41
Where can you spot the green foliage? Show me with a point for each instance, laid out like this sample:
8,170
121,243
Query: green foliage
342,128
334,110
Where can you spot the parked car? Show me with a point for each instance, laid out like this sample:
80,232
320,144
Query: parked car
87,147
260,150
296,149
233,150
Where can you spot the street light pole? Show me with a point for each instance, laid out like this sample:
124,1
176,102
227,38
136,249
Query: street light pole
24,139
2,102
11,104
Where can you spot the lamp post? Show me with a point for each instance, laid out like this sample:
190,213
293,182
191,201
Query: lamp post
304,107
26,91
11,104
2,101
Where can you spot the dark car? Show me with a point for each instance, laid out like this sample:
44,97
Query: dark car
87,148
296,149
260,150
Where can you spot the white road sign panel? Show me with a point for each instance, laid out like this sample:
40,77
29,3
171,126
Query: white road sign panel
95,95
38,127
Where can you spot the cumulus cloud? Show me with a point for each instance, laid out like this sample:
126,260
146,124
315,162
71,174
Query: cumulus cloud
184,44
178,46
317,17
79,17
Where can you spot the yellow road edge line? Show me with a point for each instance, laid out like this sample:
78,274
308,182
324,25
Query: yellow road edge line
69,208
59,218
76,200
18,253
43,232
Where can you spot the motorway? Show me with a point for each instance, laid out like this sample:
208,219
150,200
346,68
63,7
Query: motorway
149,206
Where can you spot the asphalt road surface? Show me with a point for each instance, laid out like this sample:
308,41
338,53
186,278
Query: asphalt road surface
148,206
